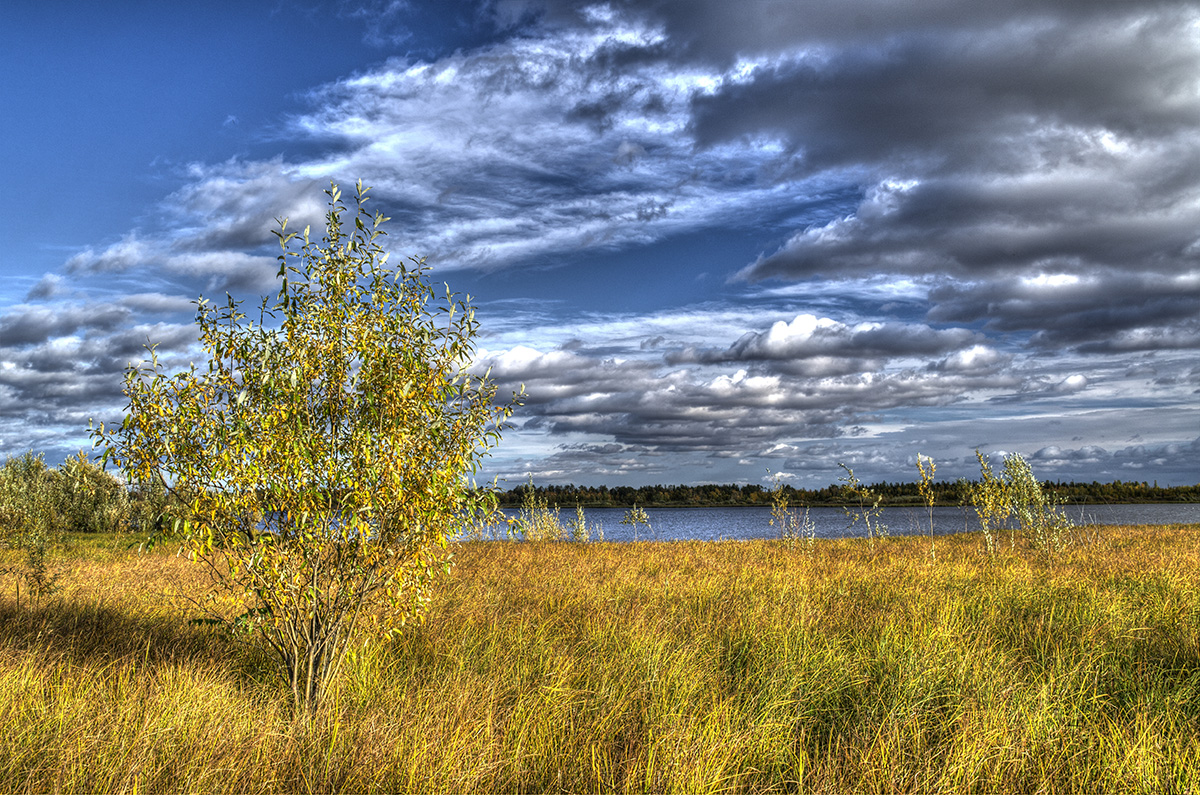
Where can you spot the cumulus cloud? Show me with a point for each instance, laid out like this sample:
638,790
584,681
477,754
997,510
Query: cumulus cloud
234,206
130,252
976,359
994,152
828,344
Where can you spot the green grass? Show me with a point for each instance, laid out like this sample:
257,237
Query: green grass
657,667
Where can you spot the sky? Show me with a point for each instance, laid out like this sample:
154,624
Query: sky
716,241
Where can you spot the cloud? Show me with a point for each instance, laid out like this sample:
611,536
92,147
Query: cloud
657,406
963,213
48,286
1099,312
233,206
27,325
977,359
130,252
828,345
991,152
1130,459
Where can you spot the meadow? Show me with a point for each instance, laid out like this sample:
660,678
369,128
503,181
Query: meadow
760,666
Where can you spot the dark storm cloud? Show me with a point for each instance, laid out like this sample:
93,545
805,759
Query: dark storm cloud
1047,188
993,149
692,409
974,227
1131,459
61,367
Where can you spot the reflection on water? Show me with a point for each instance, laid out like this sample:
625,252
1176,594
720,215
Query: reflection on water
726,524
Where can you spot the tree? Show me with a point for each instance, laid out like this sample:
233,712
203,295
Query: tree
319,462
31,520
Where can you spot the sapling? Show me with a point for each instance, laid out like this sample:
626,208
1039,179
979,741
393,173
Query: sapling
636,516
793,527
927,469
867,508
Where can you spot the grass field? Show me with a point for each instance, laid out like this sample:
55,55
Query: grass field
655,667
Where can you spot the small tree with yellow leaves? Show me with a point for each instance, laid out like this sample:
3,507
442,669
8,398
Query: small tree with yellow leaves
928,469
319,462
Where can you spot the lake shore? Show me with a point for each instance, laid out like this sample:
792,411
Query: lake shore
910,664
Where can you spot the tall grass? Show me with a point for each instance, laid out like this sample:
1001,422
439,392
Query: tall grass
662,667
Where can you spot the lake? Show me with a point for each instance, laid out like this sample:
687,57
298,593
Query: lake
729,524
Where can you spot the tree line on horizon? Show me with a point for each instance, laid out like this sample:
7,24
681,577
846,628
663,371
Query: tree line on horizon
895,494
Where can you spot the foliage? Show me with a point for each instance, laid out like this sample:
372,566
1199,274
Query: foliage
92,500
636,516
865,505
537,521
40,506
927,470
713,495
1042,520
150,509
794,528
989,496
31,522
581,530
1016,499
318,463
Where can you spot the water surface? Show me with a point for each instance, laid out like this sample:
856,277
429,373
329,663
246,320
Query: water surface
728,524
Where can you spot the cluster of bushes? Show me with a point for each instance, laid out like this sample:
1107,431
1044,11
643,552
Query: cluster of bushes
41,507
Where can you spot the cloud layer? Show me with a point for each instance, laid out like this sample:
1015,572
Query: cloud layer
972,221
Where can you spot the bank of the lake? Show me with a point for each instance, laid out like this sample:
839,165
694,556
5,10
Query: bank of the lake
906,665
745,523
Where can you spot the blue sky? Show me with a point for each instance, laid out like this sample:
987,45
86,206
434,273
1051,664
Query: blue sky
712,239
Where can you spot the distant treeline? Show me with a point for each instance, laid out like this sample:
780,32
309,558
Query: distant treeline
715,495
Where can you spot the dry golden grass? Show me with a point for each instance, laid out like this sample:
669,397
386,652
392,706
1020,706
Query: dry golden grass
660,667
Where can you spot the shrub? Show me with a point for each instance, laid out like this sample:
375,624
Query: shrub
536,520
582,531
1016,499
320,460
794,528
866,506
92,500
634,517
31,521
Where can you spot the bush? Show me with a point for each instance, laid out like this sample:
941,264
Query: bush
31,521
537,521
320,460
865,508
92,500
794,527
1015,499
